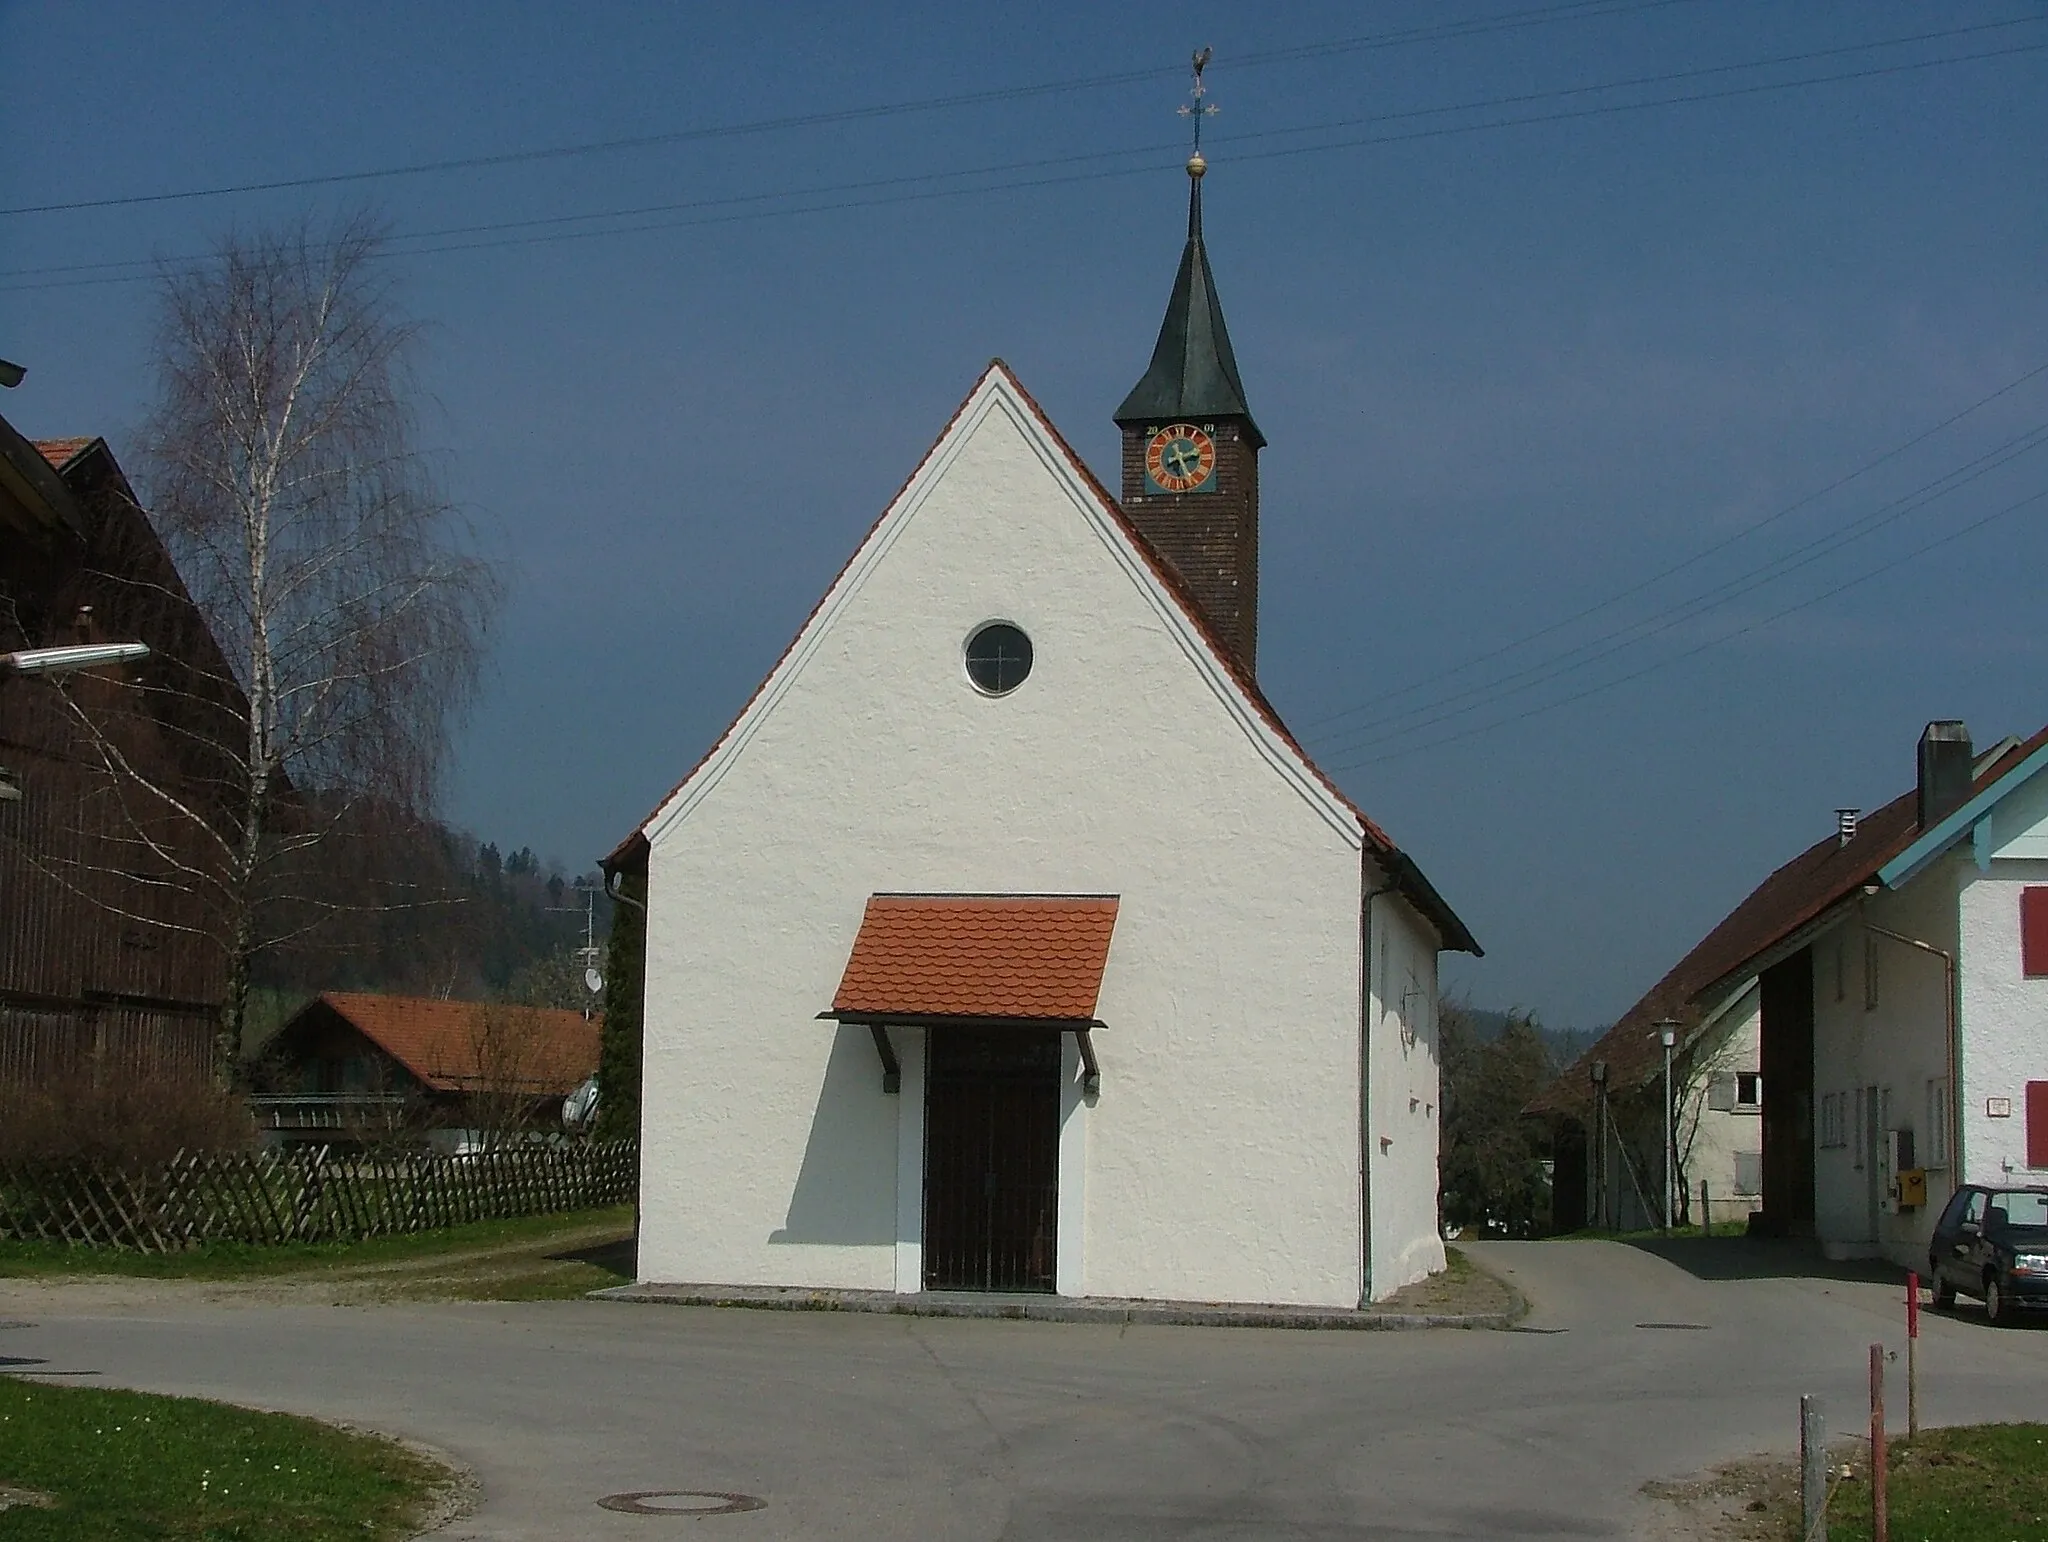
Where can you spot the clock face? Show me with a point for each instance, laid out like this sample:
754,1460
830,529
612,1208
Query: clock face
1181,458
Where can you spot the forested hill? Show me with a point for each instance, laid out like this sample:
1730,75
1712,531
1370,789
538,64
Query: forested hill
449,916
1565,1044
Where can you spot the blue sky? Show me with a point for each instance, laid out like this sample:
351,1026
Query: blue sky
1509,374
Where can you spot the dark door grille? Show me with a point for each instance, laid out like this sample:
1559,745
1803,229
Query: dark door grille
991,1184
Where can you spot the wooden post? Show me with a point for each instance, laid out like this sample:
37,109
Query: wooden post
1706,1212
1880,1510
1813,1471
1912,1355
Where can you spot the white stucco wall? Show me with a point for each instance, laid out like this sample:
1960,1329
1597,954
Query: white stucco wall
1966,902
1711,1139
1405,1098
1894,1049
2004,1014
1220,1160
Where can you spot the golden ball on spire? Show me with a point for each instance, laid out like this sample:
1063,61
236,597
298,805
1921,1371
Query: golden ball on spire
1196,165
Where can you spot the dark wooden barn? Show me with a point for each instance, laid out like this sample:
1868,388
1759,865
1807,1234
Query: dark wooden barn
106,959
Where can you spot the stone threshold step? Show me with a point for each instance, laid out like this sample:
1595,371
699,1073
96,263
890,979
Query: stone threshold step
1045,1308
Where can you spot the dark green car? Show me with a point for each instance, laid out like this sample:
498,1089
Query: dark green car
1992,1243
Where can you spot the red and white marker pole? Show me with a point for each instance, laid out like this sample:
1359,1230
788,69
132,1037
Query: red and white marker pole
1912,1354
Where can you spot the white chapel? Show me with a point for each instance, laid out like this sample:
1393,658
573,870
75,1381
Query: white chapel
1007,940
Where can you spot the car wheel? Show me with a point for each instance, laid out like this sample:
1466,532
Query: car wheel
1997,1310
1944,1293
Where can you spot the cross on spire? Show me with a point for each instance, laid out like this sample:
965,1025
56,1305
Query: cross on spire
1197,110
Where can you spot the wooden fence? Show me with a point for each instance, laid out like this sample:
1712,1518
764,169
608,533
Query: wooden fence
307,1195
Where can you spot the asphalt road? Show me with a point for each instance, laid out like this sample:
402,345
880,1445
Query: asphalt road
881,1427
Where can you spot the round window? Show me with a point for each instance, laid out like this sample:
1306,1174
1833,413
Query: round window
998,658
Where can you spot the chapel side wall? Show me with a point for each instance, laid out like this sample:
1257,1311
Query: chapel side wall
1222,1151
1896,1046
2004,1018
1405,1098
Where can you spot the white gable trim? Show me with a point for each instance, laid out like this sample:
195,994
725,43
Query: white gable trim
995,393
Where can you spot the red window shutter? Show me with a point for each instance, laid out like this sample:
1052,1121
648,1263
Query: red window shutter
2037,1124
2034,931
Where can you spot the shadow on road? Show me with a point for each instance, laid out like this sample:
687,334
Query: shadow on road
1764,1258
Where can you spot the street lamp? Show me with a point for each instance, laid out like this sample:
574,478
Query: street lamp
57,661
1667,1035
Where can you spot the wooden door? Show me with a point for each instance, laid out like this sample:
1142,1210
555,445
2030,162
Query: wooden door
991,1165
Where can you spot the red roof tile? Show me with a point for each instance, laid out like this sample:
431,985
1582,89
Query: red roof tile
449,1045
978,955
1796,895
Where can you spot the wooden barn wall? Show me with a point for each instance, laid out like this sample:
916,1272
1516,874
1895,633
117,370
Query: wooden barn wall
105,947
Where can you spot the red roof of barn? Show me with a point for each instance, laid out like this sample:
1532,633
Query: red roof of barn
458,1046
978,955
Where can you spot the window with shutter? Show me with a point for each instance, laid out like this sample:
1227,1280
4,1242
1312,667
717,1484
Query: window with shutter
1721,1092
2034,931
1749,1172
2037,1124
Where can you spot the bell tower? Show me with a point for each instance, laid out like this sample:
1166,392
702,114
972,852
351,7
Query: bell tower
1190,447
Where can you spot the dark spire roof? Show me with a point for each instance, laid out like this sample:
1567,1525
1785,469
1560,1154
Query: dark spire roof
1193,372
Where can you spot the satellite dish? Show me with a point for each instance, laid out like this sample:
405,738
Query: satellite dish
593,981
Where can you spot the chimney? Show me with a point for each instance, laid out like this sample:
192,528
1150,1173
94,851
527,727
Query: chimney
1845,825
1946,771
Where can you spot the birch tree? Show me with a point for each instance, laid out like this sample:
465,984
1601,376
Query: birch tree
283,470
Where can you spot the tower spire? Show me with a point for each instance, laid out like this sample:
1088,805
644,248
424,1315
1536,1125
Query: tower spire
1196,109
1193,371
1190,447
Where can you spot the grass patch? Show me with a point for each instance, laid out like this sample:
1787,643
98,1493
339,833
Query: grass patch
1973,1483
236,1261
134,1467
1652,1234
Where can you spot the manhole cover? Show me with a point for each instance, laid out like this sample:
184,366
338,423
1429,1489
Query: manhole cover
682,1501
1676,1327
13,1324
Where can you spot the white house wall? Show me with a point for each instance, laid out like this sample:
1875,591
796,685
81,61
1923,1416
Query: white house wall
1727,1144
1405,1098
1220,1159
2004,1014
1897,1048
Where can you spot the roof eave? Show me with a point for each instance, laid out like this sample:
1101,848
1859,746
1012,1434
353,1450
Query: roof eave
1916,858
1414,885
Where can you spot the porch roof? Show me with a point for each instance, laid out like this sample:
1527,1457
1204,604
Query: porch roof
977,957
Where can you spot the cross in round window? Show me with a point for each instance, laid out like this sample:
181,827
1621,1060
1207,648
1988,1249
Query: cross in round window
998,658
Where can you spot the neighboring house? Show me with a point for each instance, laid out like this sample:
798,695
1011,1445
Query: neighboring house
350,1066
105,957
1007,939
1607,1113
1901,972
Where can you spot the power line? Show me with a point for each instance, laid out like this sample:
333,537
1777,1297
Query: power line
1714,642
1656,625
1680,566
1015,184
1467,27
